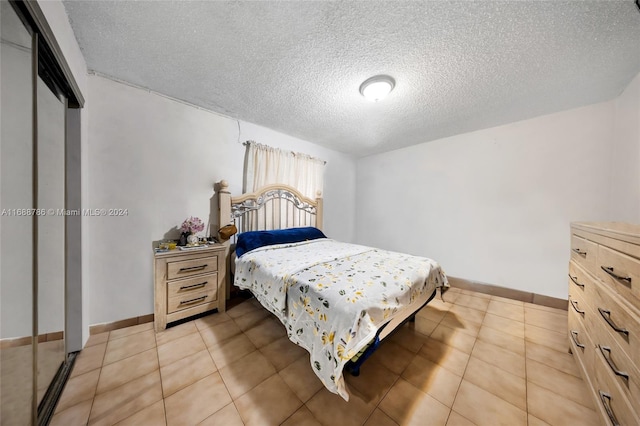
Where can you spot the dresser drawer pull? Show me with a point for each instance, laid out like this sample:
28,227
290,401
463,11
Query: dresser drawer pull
197,299
580,252
575,281
193,286
607,317
609,270
574,337
575,306
606,402
612,366
193,268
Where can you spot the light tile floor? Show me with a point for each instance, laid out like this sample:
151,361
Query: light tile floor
471,360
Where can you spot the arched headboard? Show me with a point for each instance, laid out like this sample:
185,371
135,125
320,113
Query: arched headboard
270,207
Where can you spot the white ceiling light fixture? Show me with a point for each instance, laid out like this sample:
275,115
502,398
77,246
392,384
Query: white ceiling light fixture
377,87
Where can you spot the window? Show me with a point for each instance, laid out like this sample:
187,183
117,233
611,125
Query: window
267,165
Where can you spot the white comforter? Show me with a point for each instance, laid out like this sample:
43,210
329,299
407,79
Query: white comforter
333,297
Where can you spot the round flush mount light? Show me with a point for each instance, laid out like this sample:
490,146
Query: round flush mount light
377,87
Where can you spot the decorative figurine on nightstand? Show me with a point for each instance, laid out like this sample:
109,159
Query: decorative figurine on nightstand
189,228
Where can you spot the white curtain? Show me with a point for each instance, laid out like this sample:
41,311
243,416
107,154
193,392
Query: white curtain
266,165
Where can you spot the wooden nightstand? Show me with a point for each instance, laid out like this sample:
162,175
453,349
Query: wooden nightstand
188,282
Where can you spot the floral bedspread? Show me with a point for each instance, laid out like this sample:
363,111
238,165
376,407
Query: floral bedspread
332,297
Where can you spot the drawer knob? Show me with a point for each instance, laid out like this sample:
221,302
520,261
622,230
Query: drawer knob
606,402
575,281
197,299
612,365
574,337
575,306
193,268
609,270
580,252
193,286
607,317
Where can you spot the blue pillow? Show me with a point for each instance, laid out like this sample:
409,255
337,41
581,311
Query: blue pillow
248,241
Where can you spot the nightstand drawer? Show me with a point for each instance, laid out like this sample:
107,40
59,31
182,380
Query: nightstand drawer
188,283
192,285
186,268
190,300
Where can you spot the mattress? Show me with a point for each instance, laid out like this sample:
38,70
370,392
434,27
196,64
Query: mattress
333,297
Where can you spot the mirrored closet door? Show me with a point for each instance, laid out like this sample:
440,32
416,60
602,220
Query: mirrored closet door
16,227
35,357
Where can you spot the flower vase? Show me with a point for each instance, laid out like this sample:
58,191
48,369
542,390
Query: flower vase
192,239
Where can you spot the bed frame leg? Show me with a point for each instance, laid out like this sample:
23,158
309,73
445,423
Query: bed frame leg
412,318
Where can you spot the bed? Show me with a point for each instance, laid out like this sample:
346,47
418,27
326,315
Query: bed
336,300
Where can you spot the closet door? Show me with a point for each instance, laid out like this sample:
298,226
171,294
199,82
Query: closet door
16,225
51,107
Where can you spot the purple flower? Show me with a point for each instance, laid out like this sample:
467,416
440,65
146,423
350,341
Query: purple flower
192,225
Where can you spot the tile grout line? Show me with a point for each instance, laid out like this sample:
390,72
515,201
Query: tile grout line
130,334
221,378
377,407
161,388
164,405
465,370
474,343
233,400
310,398
104,355
294,412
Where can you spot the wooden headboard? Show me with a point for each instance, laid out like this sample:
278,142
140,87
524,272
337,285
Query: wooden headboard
270,207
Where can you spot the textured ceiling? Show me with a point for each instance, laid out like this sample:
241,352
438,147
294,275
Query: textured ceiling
296,67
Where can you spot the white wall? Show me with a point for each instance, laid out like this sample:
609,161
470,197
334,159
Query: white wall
494,205
159,158
625,160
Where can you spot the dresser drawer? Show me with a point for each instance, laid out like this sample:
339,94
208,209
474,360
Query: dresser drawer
620,366
620,324
612,400
190,300
578,305
191,285
621,272
579,279
581,344
186,268
584,252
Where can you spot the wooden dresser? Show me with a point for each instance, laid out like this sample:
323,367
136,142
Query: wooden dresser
604,315
187,283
